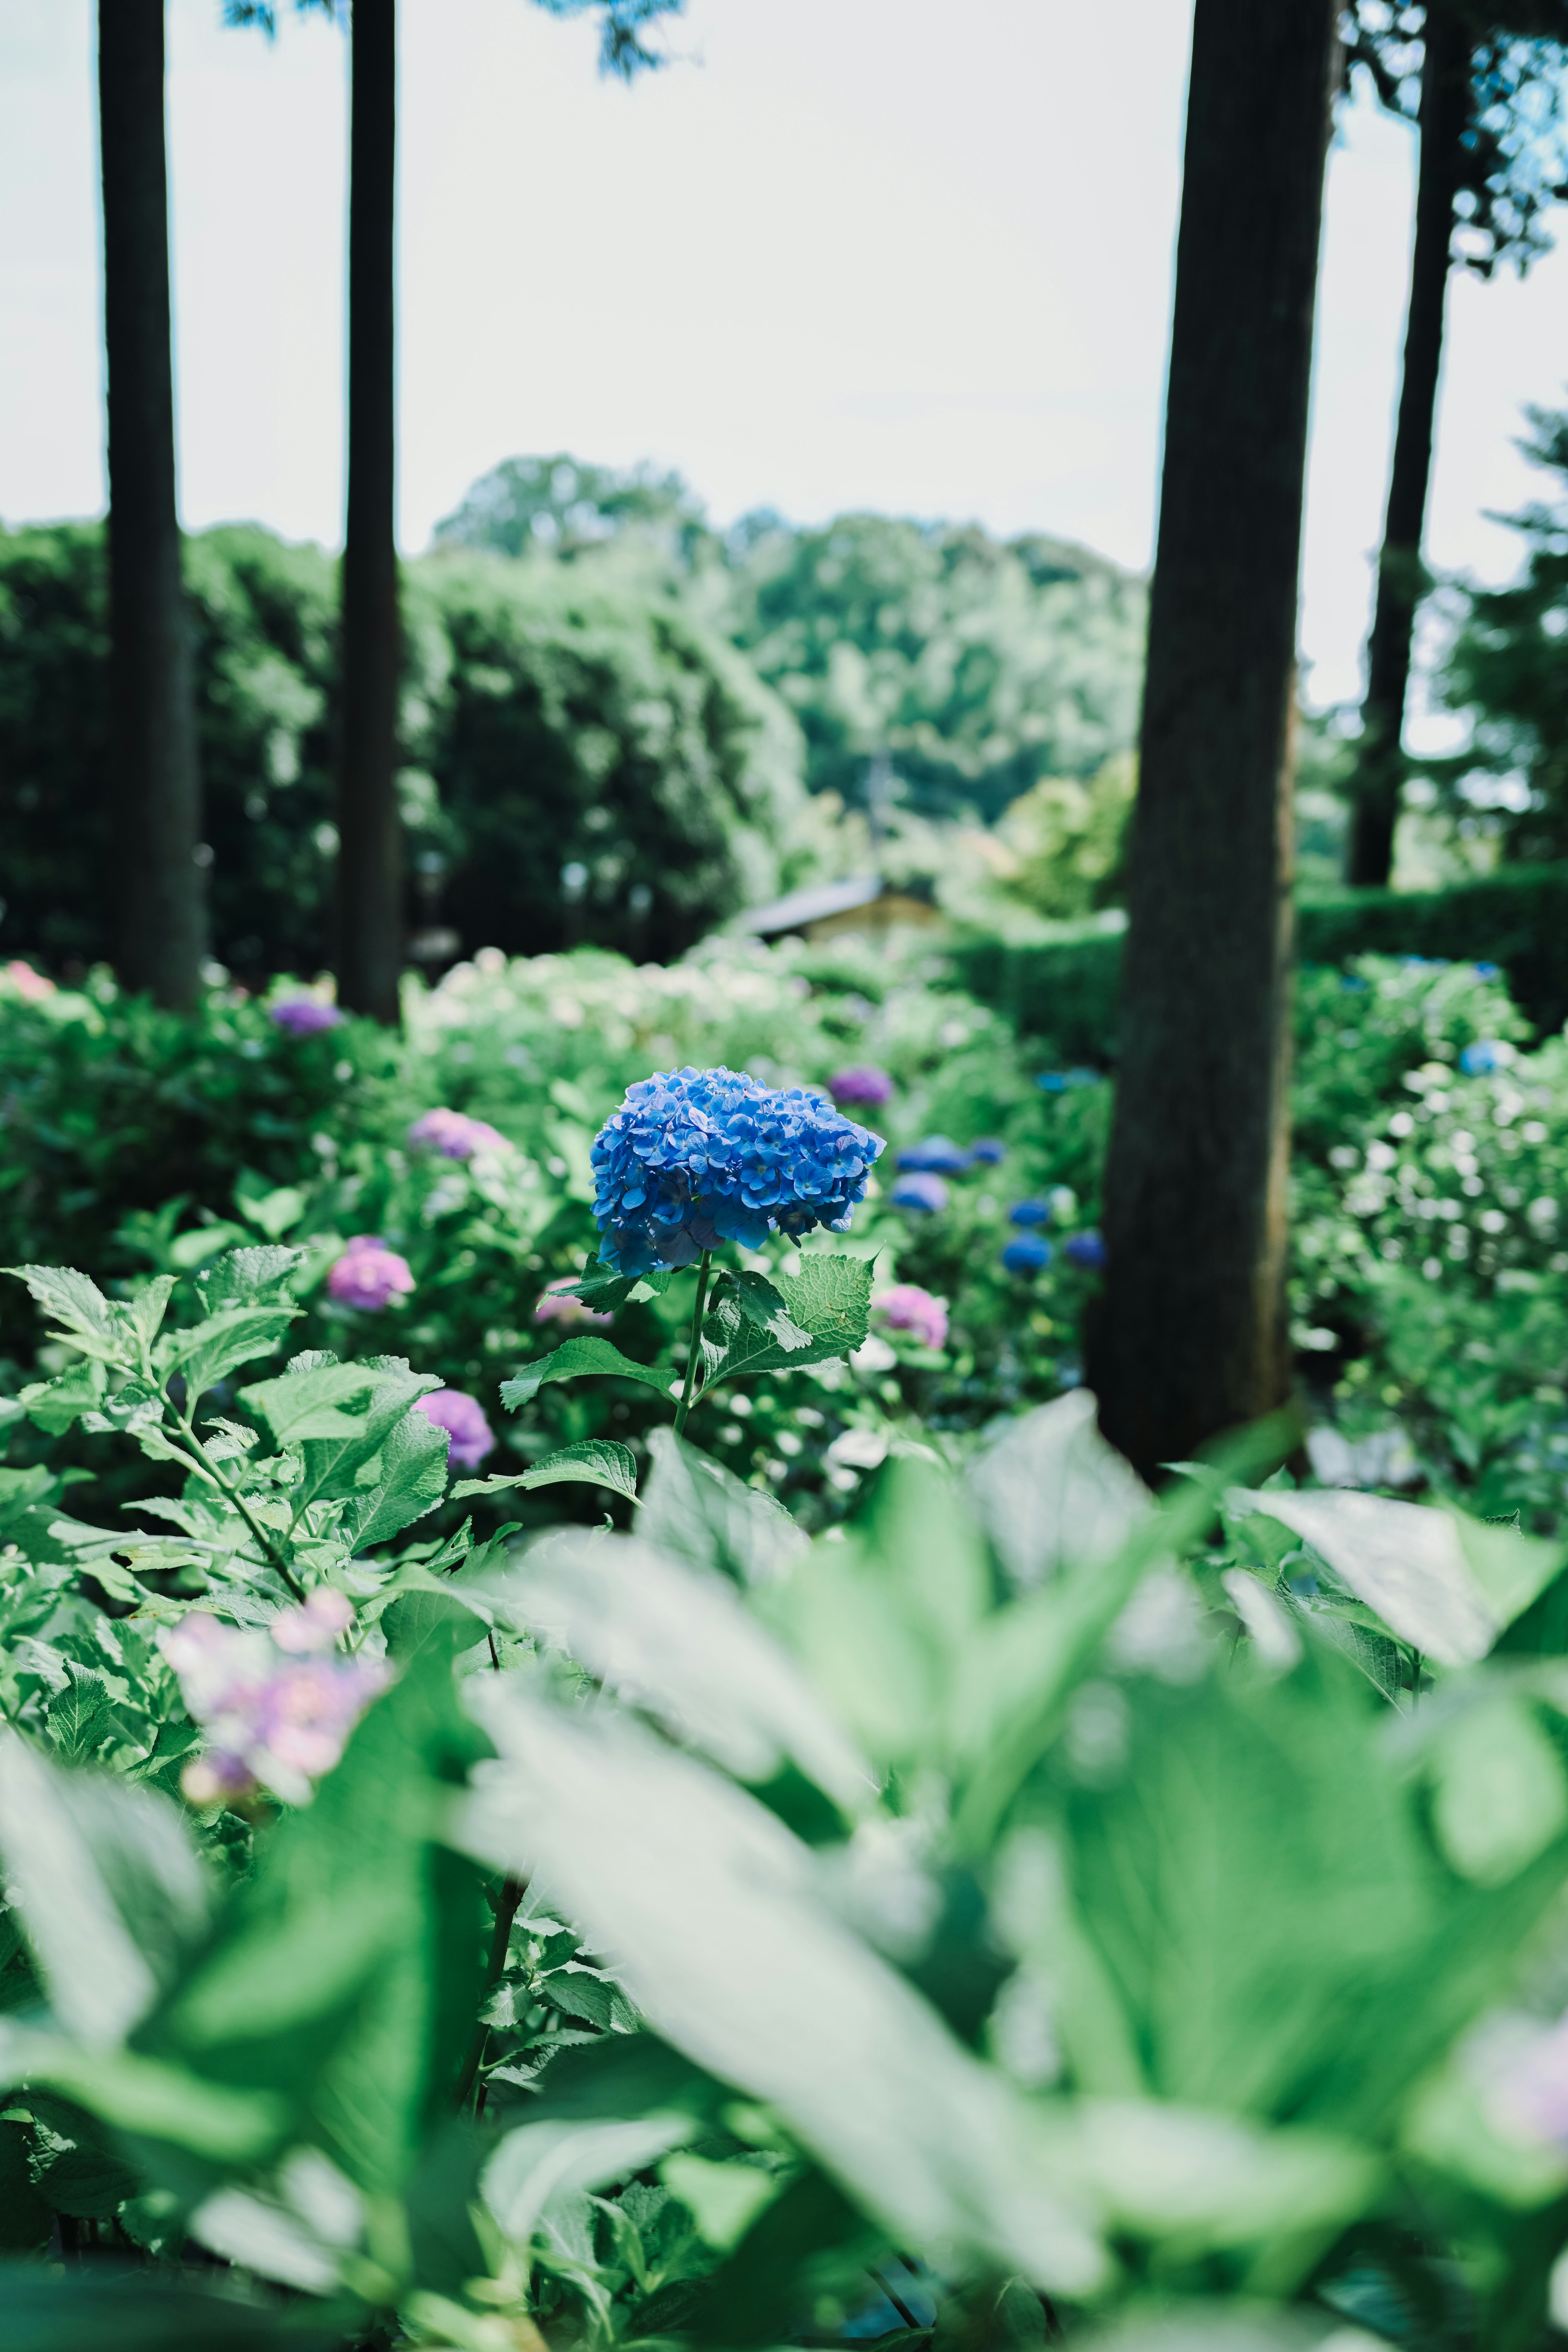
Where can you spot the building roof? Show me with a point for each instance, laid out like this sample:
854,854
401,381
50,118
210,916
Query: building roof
803,907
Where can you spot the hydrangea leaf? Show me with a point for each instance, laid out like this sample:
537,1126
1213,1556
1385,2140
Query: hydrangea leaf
604,1291
77,1305
237,1335
53,1405
248,1278
333,1465
829,1299
309,1403
595,1462
413,1481
695,1510
762,1303
573,1361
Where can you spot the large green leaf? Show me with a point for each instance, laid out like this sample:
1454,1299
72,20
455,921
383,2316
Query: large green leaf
218,1346
86,2310
55,1404
698,1511
298,1405
79,1308
249,1277
593,1462
413,1481
829,1298
574,1359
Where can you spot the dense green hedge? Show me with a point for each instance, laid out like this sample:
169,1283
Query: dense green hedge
1065,990
585,762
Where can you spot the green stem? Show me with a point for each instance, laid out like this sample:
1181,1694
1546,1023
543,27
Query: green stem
684,1407
511,1895
198,1458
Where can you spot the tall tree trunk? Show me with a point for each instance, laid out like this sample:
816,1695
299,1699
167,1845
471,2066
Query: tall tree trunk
155,782
370,852
1445,110
1189,1338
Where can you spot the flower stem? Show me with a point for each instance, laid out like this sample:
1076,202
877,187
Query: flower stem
684,1407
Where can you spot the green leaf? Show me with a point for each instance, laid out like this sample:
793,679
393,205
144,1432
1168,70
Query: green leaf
273,1208
829,1298
148,1305
146,2096
762,1303
697,1510
79,1716
1500,1798
413,1481
249,1277
53,1405
604,1291
593,1461
590,1994
236,1335
574,1359
334,1466
306,1404
117,2310
723,2200
78,1307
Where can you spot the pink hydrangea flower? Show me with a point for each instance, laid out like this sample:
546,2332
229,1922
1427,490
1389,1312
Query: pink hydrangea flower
275,1705
454,1135
369,1274
303,1016
573,1314
905,1307
463,1419
34,986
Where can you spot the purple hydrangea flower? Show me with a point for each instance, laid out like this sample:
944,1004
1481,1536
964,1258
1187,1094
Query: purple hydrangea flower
455,1135
862,1085
937,1155
275,1705
1026,1253
1029,1212
694,1158
463,1419
369,1274
1087,1249
920,1193
575,1314
303,1016
905,1307
989,1152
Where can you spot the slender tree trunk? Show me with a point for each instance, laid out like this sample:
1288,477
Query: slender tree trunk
155,780
1445,110
370,852
1189,1338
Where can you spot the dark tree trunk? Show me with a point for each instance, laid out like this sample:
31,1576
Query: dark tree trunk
155,781
1445,110
1189,1338
370,852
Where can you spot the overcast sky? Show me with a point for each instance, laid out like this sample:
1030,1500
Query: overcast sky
912,255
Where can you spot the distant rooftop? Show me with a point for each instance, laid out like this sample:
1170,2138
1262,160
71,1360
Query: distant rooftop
802,906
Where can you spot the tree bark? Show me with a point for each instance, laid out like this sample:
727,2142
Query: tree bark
1189,1338
370,844
1445,110
155,779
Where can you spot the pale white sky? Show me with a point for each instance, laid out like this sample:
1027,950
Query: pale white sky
905,254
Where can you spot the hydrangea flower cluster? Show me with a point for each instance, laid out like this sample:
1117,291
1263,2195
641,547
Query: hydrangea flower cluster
1029,1212
694,1158
32,986
1086,1249
905,1307
455,1135
924,1194
573,1314
1026,1253
989,1152
304,1016
369,1274
463,1419
862,1085
276,1708
1486,1054
938,1155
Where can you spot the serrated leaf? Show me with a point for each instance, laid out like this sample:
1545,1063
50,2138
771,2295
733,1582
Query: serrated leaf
829,1299
251,1277
698,1511
413,1481
334,1465
762,1303
80,1714
590,1994
236,1335
575,1360
148,1305
53,1404
309,1403
77,1305
593,1461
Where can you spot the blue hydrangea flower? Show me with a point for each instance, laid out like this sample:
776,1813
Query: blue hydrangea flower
920,1192
989,1152
1488,1053
938,1155
1488,970
1029,1212
1026,1253
1056,1082
1085,1249
694,1158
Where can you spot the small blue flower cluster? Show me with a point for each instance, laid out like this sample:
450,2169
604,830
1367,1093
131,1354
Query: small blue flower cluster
694,1158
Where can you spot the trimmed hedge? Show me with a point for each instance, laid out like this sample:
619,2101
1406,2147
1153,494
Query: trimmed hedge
1065,990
